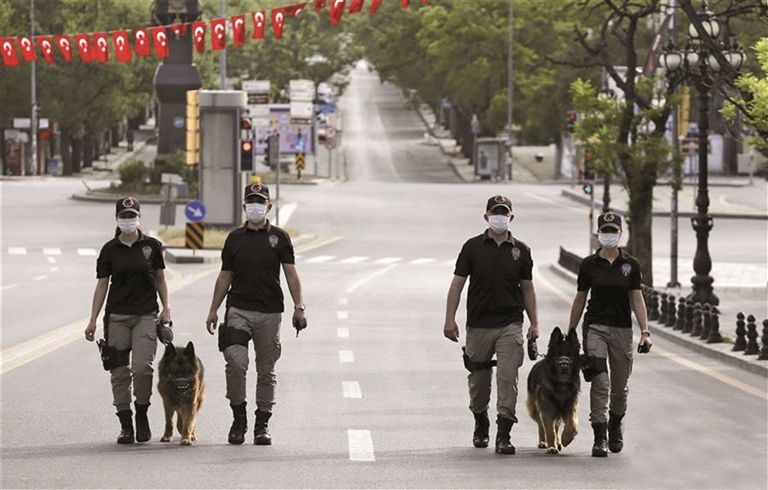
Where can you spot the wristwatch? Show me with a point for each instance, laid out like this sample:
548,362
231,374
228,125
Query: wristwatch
300,306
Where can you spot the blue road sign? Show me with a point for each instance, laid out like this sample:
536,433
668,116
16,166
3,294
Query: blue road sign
194,211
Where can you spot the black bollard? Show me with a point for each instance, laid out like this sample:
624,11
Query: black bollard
653,313
714,328
706,322
741,340
764,351
664,308
752,346
680,323
670,312
688,316
697,320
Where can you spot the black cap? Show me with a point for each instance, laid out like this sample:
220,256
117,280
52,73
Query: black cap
256,190
609,219
498,200
128,204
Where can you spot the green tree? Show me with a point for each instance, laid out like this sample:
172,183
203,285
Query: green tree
753,103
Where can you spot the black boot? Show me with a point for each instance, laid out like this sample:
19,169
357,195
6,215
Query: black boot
482,425
615,433
600,448
126,427
239,424
261,435
143,434
503,445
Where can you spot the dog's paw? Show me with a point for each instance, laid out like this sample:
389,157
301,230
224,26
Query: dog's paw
542,445
186,442
166,438
552,450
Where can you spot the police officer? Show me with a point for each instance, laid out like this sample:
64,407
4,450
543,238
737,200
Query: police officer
500,271
250,279
134,263
613,277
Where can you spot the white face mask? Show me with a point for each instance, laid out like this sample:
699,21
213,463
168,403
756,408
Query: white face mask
255,212
128,225
608,240
498,223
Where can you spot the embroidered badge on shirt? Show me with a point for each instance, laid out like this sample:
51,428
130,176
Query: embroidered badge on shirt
626,269
147,251
273,240
515,253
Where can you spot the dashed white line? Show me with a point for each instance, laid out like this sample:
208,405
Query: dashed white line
342,333
353,260
51,251
351,389
17,251
360,445
343,301
320,259
388,260
362,281
50,260
346,356
39,278
86,252
54,269
421,261
8,286
342,315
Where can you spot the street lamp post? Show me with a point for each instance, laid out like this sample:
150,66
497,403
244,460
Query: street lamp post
698,64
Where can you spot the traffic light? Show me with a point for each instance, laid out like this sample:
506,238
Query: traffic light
573,116
587,188
246,156
588,164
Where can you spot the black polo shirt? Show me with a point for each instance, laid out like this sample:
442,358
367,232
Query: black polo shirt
610,286
133,285
495,296
254,257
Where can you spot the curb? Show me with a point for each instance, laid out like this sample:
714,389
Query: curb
180,255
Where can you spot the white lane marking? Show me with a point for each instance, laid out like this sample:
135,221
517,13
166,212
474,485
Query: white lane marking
286,211
52,251
319,259
54,269
346,356
362,281
342,333
342,315
351,389
388,260
17,251
8,286
450,262
39,278
360,445
86,252
50,260
343,301
421,261
354,260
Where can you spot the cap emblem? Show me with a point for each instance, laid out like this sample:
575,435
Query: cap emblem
127,202
500,199
256,188
609,217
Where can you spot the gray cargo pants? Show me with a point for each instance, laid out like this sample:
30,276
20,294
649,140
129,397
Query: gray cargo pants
611,388
139,333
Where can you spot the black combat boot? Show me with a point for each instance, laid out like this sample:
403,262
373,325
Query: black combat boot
600,448
239,424
504,426
482,425
615,433
143,434
126,427
261,435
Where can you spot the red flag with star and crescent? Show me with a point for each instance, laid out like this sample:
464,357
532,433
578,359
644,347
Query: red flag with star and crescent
142,46
85,48
10,57
405,3
337,10
27,48
122,49
46,47
375,4
356,6
160,38
278,19
198,35
218,34
294,10
259,20
238,30
319,5
100,47
65,46
179,30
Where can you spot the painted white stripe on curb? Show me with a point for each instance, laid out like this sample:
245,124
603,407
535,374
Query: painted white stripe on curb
346,356
360,445
351,389
342,333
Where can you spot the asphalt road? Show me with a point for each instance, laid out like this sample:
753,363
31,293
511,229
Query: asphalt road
370,395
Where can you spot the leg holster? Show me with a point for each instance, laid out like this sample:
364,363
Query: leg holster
232,336
475,366
591,366
111,357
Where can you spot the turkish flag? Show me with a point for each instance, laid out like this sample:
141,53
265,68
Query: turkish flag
46,47
179,30
356,6
160,38
27,48
405,3
278,18
65,46
142,43
198,35
337,10
122,49
375,4
85,47
219,34
259,19
295,10
10,58
238,30
101,51
319,4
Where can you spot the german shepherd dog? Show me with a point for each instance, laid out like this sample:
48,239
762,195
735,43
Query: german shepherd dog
553,391
181,385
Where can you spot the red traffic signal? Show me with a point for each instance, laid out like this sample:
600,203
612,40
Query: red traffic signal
573,116
246,146
245,123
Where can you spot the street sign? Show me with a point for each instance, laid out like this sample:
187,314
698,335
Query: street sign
194,236
301,110
194,211
330,143
257,92
301,121
330,132
300,162
302,90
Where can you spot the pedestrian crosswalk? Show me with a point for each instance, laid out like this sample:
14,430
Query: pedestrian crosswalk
51,251
364,260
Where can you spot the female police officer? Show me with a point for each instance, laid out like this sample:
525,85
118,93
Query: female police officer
135,264
613,276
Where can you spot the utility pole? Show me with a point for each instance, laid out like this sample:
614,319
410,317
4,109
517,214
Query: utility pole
509,92
223,55
33,120
673,232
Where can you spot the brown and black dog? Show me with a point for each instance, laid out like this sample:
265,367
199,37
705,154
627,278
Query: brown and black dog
553,391
181,385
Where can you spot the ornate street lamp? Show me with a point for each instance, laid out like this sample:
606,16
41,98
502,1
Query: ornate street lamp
698,65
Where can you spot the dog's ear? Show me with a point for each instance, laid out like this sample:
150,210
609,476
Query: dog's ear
190,350
170,350
555,338
573,338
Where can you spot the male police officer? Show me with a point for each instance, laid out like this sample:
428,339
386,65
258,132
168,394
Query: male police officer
250,279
